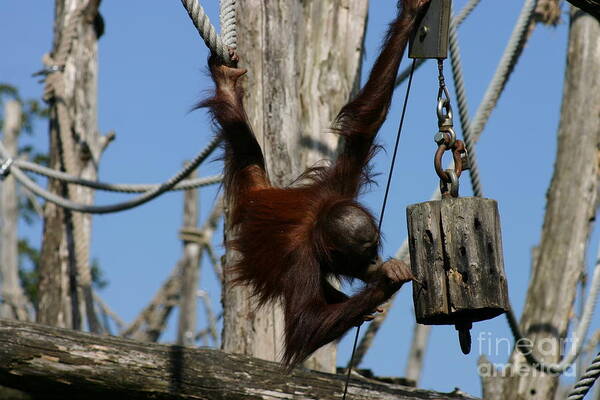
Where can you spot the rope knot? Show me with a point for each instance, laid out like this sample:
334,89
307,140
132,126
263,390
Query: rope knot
52,76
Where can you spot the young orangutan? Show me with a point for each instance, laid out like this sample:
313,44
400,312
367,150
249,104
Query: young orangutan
292,239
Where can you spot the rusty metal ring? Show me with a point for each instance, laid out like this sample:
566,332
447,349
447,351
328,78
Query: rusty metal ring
457,150
437,163
454,184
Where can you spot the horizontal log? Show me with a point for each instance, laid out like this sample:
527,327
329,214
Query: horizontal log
55,363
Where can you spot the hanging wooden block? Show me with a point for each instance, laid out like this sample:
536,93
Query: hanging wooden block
456,253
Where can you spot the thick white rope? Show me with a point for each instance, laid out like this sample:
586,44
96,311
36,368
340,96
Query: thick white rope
214,43
86,208
227,18
207,31
185,184
585,383
463,111
578,339
505,67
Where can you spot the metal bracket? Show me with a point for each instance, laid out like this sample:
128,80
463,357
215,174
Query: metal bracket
5,168
430,39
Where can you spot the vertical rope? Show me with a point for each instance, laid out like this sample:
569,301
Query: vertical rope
55,91
228,20
205,29
505,67
463,111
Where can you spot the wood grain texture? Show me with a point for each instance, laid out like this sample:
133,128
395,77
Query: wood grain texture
473,244
456,251
65,299
427,259
55,363
303,61
14,304
190,274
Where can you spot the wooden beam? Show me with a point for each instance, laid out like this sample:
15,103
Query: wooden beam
56,363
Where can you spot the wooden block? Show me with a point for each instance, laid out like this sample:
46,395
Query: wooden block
456,251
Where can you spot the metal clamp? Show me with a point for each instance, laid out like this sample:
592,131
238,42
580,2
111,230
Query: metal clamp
5,168
446,137
49,70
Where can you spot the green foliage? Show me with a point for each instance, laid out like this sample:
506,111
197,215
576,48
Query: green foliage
32,109
9,90
98,279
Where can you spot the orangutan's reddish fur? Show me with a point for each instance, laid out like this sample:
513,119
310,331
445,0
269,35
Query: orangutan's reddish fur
286,253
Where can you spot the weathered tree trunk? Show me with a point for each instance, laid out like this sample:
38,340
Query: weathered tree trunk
75,147
152,321
571,208
54,363
304,62
14,302
191,271
416,355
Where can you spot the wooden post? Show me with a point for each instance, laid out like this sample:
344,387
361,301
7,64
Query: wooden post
298,78
76,147
151,322
570,213
416,356
14,304
192,252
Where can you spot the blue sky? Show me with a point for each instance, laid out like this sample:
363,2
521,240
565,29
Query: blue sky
152,70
